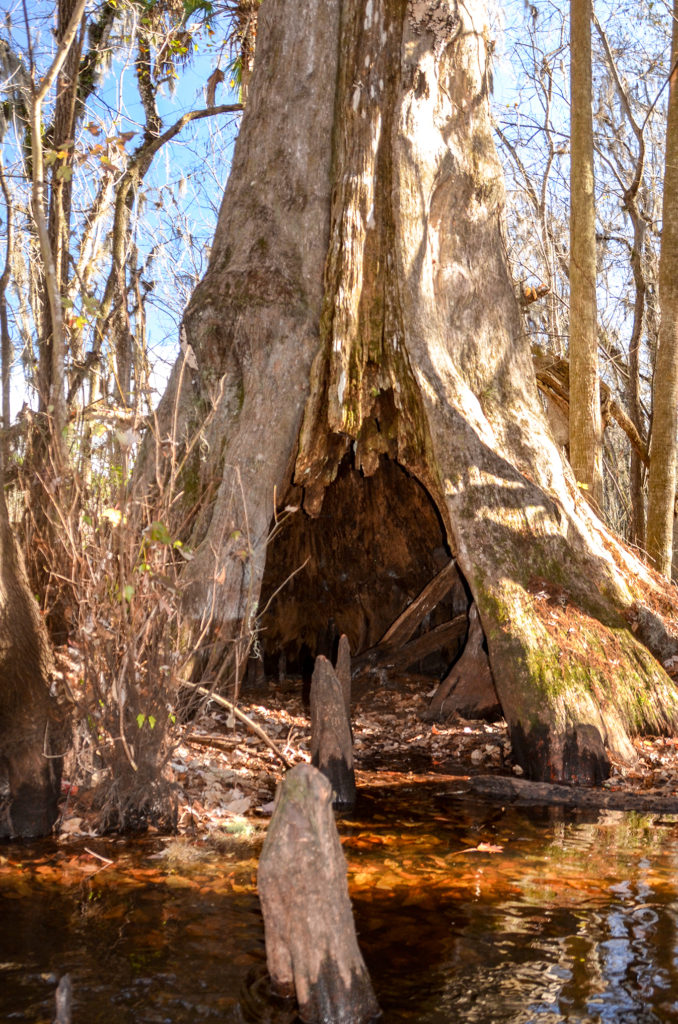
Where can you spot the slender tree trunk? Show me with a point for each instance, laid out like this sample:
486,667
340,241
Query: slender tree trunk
49,474
357,332
5,338
637,469
637,258
662,476
586,434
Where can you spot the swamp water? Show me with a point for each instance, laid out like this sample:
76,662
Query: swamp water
465,912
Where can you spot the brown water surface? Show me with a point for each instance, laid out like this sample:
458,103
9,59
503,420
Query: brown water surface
465,912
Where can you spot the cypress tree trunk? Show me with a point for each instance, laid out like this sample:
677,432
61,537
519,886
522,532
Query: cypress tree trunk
358,280
32,734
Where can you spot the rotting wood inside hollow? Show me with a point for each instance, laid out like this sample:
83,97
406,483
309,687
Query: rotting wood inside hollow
376,543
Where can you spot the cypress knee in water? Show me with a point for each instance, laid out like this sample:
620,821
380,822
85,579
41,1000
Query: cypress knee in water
311,945
331,741
64,999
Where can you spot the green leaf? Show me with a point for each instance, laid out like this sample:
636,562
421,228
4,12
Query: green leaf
91,304
141,718
192,6
64,173
128,592
151,721
159,533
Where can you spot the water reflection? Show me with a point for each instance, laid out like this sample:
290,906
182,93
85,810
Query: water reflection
572,918
574,921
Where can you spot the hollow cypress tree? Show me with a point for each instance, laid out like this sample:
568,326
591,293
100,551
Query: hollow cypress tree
356,351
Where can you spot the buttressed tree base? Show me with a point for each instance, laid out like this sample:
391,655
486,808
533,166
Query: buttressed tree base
358,356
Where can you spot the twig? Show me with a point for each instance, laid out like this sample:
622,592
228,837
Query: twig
105,860
241,716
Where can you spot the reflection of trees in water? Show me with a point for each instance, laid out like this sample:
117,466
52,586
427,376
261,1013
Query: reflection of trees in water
577,944
615,965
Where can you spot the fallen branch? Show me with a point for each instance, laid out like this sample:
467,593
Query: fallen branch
553,380
218,742
241,716
434,591
399,659
106,861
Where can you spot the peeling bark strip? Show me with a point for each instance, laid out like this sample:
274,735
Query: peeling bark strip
331,741
311,945
363,387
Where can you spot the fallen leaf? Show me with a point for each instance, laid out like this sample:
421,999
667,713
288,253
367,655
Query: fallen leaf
489,848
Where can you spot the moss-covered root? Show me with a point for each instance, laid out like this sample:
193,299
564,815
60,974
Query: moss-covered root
572,689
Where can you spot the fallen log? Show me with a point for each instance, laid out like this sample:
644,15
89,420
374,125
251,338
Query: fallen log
522,791
331,741
311,946
398,659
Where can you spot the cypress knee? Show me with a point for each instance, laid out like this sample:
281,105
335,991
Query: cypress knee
331,743
311,945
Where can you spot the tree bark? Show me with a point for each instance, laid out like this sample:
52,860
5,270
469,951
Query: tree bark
586,435
32,733
358,279
662,476
343,672
253,321
311,945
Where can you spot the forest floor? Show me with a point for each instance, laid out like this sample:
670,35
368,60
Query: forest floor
227,775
